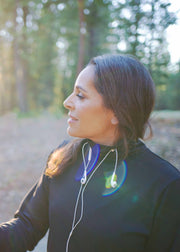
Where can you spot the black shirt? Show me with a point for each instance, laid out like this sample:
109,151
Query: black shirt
141,214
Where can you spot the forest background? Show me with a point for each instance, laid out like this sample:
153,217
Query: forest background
45,43
43,46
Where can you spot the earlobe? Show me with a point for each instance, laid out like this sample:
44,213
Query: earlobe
114,121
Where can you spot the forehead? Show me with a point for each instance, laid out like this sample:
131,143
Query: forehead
86,77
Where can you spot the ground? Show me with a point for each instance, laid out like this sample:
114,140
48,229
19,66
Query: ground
27,142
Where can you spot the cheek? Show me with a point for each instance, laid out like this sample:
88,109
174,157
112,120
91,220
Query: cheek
92,112
96,112
86,109
99,117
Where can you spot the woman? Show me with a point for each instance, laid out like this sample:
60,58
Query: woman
105,191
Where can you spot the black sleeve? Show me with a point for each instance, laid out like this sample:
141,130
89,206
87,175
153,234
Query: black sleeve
165,234
30,222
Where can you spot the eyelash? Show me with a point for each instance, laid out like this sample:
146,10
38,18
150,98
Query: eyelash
80,96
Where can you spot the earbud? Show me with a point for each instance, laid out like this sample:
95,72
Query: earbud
90,154
83,180
113,182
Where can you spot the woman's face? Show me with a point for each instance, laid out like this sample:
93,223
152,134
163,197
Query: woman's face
88,117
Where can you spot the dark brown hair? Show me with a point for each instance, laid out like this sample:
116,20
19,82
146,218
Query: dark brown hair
128,90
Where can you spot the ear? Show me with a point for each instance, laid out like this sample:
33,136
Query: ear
114,120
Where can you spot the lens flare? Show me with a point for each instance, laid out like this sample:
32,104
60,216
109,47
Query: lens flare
120,177
92,163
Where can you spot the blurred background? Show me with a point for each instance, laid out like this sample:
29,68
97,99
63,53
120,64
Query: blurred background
43,46
45,43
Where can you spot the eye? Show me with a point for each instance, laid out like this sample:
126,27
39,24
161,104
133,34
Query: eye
80,96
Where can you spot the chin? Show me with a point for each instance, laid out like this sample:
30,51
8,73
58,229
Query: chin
72,132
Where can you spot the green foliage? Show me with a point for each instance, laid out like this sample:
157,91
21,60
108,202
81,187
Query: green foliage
168,93
39,47
173,91
29,114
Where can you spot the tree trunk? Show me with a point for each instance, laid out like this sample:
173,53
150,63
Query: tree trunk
20,71
3,84
93,36
81,45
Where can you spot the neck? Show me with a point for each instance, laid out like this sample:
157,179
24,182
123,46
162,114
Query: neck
108,141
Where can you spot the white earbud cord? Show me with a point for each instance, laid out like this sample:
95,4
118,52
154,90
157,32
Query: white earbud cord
113,182
81,192
74,217
84,178
83,181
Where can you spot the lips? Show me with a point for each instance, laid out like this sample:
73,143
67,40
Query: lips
72,119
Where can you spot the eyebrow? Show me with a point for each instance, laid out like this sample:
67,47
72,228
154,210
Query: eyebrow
81,88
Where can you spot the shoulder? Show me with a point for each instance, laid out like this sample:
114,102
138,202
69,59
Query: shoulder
62,157
58,148
152,168
160,165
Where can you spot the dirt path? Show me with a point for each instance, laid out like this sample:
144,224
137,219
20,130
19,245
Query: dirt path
26,143
24,147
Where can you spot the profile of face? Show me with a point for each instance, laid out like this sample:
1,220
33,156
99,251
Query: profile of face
88,116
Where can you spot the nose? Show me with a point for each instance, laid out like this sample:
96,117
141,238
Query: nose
68,103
